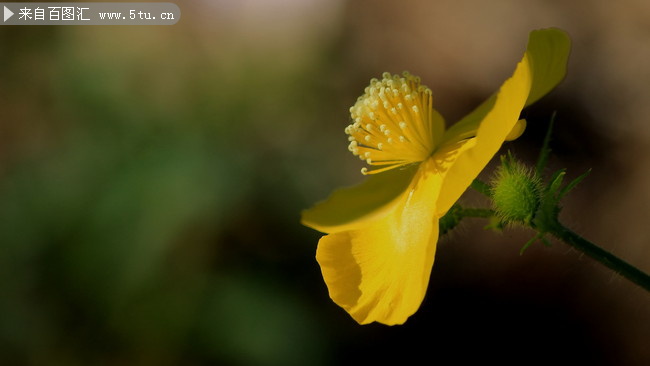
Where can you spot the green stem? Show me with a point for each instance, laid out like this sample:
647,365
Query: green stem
457,213
601,255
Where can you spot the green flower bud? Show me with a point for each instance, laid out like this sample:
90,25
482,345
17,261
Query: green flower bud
516,192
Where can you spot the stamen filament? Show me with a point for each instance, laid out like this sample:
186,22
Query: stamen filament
392,123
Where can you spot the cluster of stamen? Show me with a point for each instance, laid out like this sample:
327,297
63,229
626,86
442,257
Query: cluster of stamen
391,123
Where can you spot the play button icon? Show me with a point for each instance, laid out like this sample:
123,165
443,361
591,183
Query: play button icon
8,13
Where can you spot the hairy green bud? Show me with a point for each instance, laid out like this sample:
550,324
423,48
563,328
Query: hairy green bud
516,192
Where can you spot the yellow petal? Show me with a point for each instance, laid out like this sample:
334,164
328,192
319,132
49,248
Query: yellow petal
492,132
548,54
352,207
381,271
517,131
496,118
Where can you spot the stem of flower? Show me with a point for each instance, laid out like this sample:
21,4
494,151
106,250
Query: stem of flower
457,213
601,255
553,227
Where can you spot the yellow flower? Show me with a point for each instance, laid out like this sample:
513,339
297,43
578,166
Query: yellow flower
377,257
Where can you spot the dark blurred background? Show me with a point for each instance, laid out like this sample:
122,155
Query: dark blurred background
152,177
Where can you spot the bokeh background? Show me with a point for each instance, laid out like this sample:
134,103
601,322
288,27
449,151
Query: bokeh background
152,177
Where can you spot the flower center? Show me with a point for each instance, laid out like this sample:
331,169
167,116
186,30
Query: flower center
392,123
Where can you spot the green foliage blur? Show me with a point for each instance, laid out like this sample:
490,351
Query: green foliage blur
149,200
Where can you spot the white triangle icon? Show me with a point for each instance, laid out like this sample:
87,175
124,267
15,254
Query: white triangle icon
8,13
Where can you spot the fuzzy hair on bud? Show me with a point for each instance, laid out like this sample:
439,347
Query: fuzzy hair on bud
516,192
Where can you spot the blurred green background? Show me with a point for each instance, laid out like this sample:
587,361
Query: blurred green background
152,177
